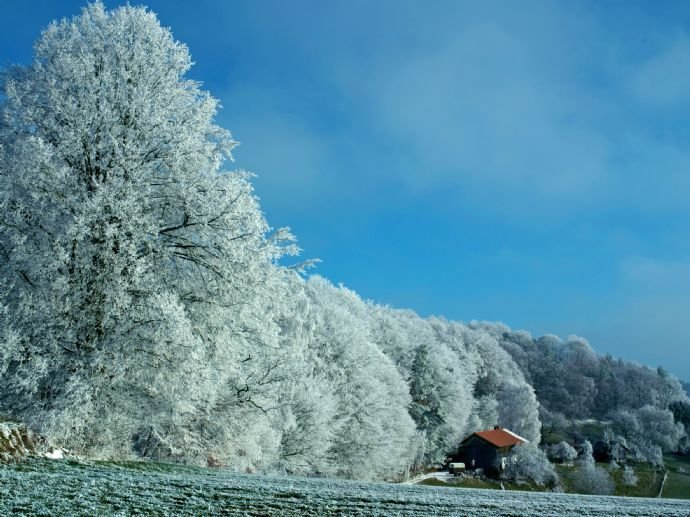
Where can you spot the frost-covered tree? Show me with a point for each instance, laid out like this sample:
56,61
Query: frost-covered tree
134,266
588,478
518,411
681,412
686,387
426,405
431,356
307,404
586,455
659,427
503,396
592,480
530,462
629,478
561,452
372,431
649,430
569,378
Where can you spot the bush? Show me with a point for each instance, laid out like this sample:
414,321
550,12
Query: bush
589,479
530,462
629,477
561,452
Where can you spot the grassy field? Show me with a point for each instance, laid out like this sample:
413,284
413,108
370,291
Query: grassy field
47,488
678,481
649,480
648,484
462,483
677,484
480,483
591,430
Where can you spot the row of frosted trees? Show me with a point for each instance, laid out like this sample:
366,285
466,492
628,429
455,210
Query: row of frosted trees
144,309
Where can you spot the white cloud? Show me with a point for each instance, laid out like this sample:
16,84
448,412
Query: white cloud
529,112
532,112
493,108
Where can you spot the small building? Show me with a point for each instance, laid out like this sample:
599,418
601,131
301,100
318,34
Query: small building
611,450
488,449
456,468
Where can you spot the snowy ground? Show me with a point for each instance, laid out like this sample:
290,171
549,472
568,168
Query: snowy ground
45,487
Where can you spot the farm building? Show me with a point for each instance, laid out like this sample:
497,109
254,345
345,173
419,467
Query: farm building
612,450
487,449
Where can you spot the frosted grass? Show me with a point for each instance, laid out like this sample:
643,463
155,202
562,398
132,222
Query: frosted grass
43,487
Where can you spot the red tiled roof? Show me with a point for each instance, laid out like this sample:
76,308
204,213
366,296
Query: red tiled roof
500,437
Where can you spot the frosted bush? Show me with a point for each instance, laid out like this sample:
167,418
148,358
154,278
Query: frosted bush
530,462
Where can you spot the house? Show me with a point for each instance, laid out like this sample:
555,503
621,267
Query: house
488,449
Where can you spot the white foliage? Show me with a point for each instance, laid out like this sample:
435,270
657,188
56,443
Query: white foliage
561,452
629,477
431,356
530,462
588,478
518,410
648,430
137,264
373,430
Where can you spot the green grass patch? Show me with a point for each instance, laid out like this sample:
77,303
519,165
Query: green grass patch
593,431
459,482
524,487
475,483
555,437
677,484
674,462
432,482
565,474
649,479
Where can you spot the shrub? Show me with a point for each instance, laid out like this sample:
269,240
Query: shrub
561,452
530,462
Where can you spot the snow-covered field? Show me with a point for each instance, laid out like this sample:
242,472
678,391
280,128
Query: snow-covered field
44,487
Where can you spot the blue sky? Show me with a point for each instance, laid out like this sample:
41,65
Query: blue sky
524,162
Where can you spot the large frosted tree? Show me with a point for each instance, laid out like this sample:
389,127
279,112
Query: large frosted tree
133,267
